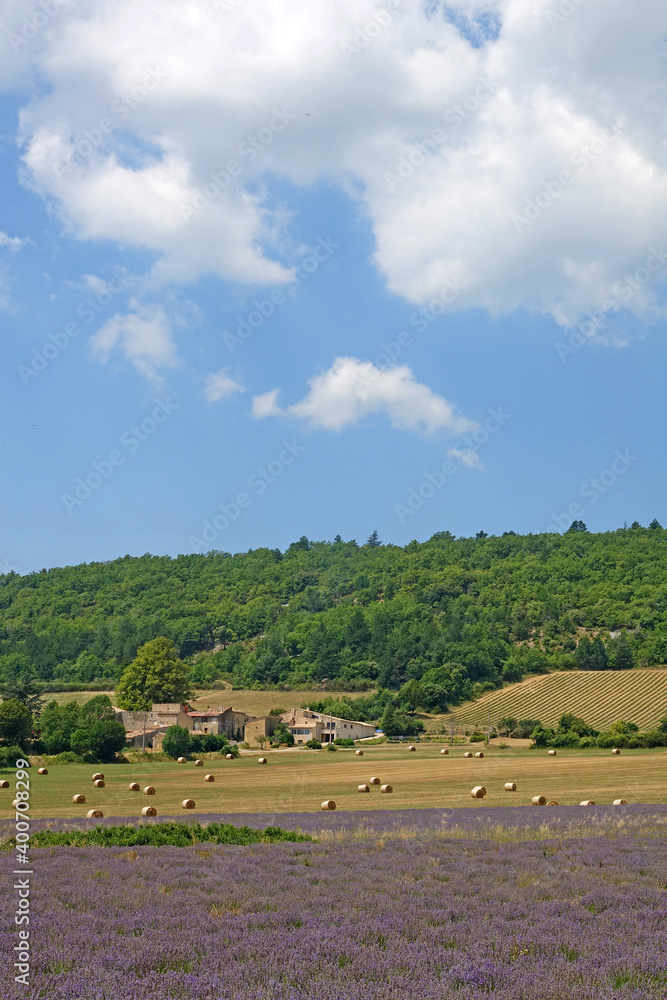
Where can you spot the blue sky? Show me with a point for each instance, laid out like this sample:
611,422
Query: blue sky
150,424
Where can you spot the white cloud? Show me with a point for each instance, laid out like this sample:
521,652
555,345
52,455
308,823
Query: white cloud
468,456
221,384
144,335
488,74
14,243
266,405
352,390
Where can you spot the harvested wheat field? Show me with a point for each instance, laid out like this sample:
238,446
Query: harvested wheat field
299,780
600,697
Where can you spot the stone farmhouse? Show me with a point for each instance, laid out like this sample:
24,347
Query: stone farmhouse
224,721
305,725
148,728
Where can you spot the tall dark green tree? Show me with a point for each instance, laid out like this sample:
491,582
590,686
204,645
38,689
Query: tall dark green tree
20,684
16,723
620,655
591,654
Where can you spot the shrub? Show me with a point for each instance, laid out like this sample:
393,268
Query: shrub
67,757
164,834
525,728
330,748
607,740
209,743
343,741
569,739
313,745
106,738
542,737
477,737
9,755
177,742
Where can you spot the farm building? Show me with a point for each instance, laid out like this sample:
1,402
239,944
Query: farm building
160,716
256,730
137,737
224,721
306,725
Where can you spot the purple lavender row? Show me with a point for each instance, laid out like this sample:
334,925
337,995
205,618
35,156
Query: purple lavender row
492,821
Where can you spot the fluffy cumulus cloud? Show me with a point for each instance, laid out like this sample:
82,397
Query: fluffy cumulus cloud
221,384
352,390
144,335
513,149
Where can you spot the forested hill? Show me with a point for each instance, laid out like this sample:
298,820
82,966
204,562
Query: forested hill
461,614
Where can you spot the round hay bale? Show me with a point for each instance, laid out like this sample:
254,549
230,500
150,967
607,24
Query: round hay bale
467,753
149,790
386,789
587,802
443,753
620,802
615,751
188,804
479,754
375,781
539,800
182,760
79,799
261,760
363,788
4,784
99,783
552,802
229,756
135,786
359,753
94,814
209,777
478,792
412,749
42,770
510,786
98,776
149,811
328,805
199,763
552,753
15,803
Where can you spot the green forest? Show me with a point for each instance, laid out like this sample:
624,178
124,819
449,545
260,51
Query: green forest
460,615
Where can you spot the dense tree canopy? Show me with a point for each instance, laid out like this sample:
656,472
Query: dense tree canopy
155,675
456,614
15,723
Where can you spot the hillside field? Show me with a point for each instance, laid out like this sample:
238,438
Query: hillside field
252,702
298,780
599,697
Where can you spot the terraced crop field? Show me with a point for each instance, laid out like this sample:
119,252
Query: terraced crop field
599,697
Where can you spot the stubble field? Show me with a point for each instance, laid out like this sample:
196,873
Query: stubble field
298,780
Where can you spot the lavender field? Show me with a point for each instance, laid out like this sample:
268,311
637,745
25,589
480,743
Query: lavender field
397,913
